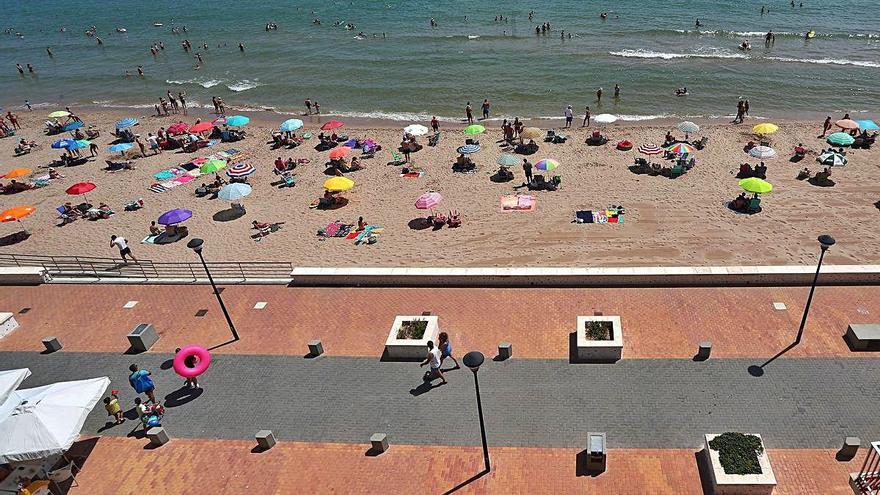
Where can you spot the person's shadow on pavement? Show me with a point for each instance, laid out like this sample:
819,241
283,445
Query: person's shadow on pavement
425,387
182,395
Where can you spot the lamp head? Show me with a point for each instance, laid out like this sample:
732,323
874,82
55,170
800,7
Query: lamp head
195,244
473,360
826,241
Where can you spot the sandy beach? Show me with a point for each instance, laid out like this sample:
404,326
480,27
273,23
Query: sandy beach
669,222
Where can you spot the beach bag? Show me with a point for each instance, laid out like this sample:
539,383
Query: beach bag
140,381
153,421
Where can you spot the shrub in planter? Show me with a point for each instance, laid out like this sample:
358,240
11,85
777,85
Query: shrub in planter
599,330
412,329
738,452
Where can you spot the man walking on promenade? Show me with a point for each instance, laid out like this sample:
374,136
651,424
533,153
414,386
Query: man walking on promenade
433,360
122,244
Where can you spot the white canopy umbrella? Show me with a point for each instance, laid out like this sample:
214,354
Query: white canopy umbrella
43,421
415,130
762,152
10,380
832,158
605,118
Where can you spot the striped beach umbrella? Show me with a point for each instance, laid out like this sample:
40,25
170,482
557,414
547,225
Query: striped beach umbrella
547,164
126,122
242,169
290,125
680,149
840,139
832,159
428,200
762,152
468,149
650,149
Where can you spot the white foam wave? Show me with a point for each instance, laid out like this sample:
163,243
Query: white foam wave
205,83
243,85
827,61
669,56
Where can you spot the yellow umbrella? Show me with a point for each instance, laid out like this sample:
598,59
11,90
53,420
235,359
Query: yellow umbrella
531,133
336,184
765,128
18,173
58,114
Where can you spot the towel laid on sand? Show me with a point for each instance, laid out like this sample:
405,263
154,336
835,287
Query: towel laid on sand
518,203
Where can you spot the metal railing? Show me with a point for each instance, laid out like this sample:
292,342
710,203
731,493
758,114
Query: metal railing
867,480
107,268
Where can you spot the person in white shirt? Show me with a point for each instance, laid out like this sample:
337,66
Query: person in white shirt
154,143
122,244
569,115
433,359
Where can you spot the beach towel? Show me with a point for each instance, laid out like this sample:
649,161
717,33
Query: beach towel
584,216
368,230
332,228
183,179
189,167
518,203
150,239
414,175
157,188
164,175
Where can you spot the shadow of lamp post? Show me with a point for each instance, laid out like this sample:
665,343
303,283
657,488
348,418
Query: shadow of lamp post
196,245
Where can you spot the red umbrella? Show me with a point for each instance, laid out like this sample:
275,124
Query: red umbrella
178,128
80,188
333,124
201,127
339,153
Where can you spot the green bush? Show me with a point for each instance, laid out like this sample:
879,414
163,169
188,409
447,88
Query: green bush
412,329
738,452
599,330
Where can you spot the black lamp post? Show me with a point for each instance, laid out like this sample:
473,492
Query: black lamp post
825,241
196,245
474,360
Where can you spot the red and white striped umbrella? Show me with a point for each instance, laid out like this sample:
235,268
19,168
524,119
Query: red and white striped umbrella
650,149
428,200
240,170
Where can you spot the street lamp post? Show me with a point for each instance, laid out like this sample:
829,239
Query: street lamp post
473,360
825,242
196,245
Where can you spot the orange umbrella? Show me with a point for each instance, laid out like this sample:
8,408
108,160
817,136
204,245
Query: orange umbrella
847,124
18,173
201,127
339,153
16,213
333,124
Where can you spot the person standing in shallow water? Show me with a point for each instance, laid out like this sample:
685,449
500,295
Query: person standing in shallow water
469,113
599,95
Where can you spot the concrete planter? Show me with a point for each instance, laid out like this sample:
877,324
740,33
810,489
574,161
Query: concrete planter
7,324
599,351
410,349
740,484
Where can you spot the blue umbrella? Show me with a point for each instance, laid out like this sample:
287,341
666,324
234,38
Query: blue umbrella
72,125
126,122
75,145
174,216
468,149
868,125
840,139
234,191
291,125
121,147
237,120
63,143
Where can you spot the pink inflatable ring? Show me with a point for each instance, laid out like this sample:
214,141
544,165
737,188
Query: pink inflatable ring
203,360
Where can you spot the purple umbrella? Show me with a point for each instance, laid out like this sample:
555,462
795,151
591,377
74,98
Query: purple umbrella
174,216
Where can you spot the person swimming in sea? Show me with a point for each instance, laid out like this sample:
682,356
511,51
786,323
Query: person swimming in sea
698,23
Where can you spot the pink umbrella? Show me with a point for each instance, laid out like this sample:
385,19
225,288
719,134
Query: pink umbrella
178,128
201,127
428,200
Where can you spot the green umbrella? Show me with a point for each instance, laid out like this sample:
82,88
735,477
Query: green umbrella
755,185
474,129
840,139
212,166
508,160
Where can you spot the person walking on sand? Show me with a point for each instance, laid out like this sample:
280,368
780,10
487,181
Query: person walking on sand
308,103
599,95
569,116
182,97
826,126
435,124
154,143
469,112
433,359
122,244
142,383
587,116
140,143
446,349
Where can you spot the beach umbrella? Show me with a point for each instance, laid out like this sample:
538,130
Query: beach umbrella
415,130
16,213
201,127
337,184
126,122
468,149
79,144
62,143
756,185
121,147
762,152
531,133
174,216
242,169
840,139
681,149
338,153
474,129
237,121
333,124
178,128
10,380
58,114
832,158
18,172
868,125
688,127
428,200
547,164
847,124
765,129
70,126
234,192
605,118
219,120
507,160
212,166
80,188
650,149
291,125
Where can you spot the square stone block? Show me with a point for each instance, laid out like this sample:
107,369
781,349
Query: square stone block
52,344
7,324
850,447
411,349
379,442
142,337
704,350
265,439
505,350
601,351
863,337
316,348
158,436
740,484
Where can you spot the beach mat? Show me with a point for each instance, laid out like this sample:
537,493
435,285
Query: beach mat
150,239
610,215
518,203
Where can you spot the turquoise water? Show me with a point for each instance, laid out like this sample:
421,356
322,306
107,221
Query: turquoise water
649,47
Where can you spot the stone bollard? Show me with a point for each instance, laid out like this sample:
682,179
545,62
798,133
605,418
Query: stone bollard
704,351
158,436
52,344
850,448
379,442
142,337
265,439
316,348
505,351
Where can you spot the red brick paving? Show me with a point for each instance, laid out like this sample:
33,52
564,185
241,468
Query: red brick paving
122,466
657,323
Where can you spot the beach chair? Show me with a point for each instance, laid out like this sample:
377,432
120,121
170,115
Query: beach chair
676,171
433,140
454,219
754,205
551,134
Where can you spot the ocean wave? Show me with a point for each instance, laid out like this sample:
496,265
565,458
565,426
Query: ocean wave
669,56
826,61
205,83
761,34
243,85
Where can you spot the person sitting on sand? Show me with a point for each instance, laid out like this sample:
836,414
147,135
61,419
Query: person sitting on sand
361,225
669,139
279,165
464,161
290,164
154,230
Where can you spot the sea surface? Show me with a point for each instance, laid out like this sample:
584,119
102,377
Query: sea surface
404,69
